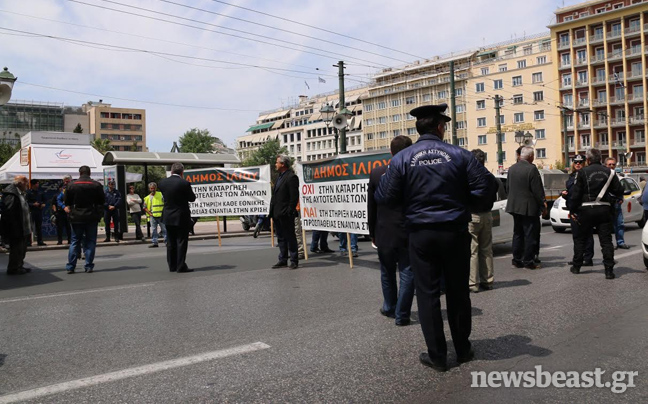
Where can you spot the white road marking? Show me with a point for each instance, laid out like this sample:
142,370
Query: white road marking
79,292
628,254
542,249
131,372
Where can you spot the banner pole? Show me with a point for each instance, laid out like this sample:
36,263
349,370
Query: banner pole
349,250
220,244
305,244
272,232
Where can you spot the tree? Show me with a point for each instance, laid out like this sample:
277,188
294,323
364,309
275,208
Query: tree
78,129
102,145
7,150
267,154
155,174
197,141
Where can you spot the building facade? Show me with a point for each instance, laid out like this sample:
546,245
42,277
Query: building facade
20,117
124,127
600,53
521,75
302,130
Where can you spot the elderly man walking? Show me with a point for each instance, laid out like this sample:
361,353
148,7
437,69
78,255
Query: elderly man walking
15,224
526,200
283,205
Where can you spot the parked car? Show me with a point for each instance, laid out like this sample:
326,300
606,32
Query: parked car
502,221
632,209
644,245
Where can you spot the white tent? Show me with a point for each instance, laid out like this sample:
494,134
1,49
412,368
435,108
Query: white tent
54,161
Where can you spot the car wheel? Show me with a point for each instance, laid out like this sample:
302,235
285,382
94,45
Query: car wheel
646,262
558,229
246,226
641,222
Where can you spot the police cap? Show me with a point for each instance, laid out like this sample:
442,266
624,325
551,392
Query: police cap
579,158
431,111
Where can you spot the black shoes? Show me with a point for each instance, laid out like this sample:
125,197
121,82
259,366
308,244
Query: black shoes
517,264
106,240
389,314
70,271
532,266
153,246
404,322
589,263
574,270
280,265
316,251
609,273
354,254
186,269
439,367
328,250
470,355
19,271
536,260
293,265
89,271
486,286
41,244
623,246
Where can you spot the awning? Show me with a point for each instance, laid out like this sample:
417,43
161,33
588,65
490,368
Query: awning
486,53
315,117
355,107
161,159
277,114
277,124
259,127
352,98
357,123
514,47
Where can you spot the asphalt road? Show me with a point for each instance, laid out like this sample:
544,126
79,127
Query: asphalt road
237,331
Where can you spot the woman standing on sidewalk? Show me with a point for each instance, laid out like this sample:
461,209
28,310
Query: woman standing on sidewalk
135,209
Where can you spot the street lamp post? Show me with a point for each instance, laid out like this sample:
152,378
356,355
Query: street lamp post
7,81
328,112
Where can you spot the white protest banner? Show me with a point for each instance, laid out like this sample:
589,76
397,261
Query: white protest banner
333,194
230,191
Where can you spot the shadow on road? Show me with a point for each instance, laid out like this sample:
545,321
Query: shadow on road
36,277
507,347
510,284
618,271
214,268
2,359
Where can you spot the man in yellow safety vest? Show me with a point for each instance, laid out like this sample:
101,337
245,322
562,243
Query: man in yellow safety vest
153,207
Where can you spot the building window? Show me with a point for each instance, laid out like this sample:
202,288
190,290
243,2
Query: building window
481,104
368,122
502,120
503,68
396,118
541,153
382,119
517,81
498,84
481,139
518,117
460,108
396,132
527,50
427,97
479,87
538,115
461,142
442,95
484,71
518,99
538,96
540,60
521,64
459,92
368,107
396,103
502,137
565,59
382,105
411,131
481,122
410,100
536,77
382,135
409,117
539,133
461,125
369,136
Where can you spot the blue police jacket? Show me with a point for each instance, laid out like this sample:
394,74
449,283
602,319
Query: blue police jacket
437,183
112,198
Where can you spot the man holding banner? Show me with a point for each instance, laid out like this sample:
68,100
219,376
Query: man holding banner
439,184
283,205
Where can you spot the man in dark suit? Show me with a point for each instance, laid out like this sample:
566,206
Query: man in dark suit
283,205
176,217
526,200
387,230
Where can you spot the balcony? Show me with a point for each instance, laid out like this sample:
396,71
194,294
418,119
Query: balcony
595,59
637,120
619,145
618,54
618,122
583,103
603,143
635,98
634,51
563,44
616,77
614,34
638,143
596,38
600,123
580,42
583,125
571,148
599,102
565,65
632,31
580,62
565,85
599,80
581,83
617,100
635,75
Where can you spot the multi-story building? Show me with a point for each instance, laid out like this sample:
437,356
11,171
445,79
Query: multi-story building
521,74
302,130
73,116
124,127
396,91
20,117
600,52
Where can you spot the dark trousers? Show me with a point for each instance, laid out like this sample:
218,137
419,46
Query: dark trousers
435,253
17,252
598,217
319,240
177,244
588,252
37,220
114,215
63,223
525,238
137,219
396,301
286,238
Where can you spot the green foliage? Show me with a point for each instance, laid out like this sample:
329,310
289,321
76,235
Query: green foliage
559,165
7,151
155,174
78,129
267,154
102,145
197,141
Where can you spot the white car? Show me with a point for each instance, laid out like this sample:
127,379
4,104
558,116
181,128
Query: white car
632,209
644,245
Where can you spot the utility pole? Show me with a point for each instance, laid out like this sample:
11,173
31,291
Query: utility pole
453,113
500,157
343,143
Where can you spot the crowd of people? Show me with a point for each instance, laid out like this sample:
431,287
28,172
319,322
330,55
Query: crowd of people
429,216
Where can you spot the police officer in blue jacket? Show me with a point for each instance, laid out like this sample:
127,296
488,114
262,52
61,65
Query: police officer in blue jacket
439,184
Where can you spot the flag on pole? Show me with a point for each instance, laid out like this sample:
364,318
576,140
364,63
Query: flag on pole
321,80
307,86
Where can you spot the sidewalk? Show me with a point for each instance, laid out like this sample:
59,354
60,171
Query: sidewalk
204,231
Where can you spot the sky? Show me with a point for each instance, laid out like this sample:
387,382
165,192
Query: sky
216,65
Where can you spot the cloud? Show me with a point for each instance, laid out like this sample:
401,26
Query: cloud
419,28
